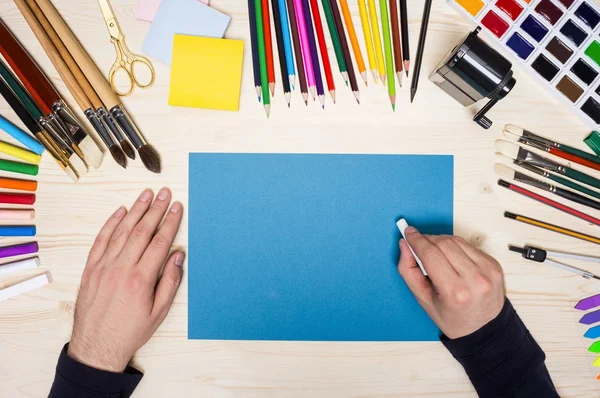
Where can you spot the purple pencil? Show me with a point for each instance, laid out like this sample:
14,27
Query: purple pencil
18,250
306,55
313,51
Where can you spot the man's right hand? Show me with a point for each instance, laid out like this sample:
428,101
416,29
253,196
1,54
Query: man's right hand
465,288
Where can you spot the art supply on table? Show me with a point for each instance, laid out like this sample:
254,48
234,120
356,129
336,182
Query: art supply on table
563,151
516,152
556,42
19,153
146,9
25,286
304,204
184,17
262,57
268,45
360,62
402,225
285,78
377,39
306,49
112,103
206,72
595,347
366,27
588,303
17,230
323,48
313,52
77,83
31,143
420,49
473,71
287,42
17,198
19,185
592,333
335,39
19,250
543,256
389,54
127,62
20,168
21,265
337,18
551,227
549,202
405,39
254,47
507,173
395,25
298,51
17,214
589,319
593,142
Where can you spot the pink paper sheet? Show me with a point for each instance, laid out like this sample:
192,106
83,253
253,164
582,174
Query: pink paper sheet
146,9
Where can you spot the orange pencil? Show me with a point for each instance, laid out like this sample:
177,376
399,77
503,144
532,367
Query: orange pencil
20,185
269,46
360,62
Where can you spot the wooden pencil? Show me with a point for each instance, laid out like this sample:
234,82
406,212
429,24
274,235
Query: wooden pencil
281,51
335,39
254,46
268,45
306,53
395,24
405,39
323,48
377,39
420,49
346,50
360,62
366,26
298,51
389,57
312,42
287,42
262,57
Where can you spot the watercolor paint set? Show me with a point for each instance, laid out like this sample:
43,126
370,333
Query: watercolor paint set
558,41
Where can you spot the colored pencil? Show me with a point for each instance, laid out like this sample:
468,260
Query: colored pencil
335,39
21,136
306,54
420,49
17,214
254,46
377,39
19,153
17,198
549,202
323,48
298,51
19,250
262,58
366,26
16,167
281,52
405,39
389,56
287,42
19,185
268,45
25,286
313,51
395,23
552,227
21,265
337,17
360,62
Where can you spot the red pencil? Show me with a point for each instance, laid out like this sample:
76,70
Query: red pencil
323,48
17,198
549,202
269,46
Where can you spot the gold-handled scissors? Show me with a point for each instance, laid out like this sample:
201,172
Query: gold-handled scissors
126,60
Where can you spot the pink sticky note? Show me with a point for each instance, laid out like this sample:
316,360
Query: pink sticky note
146,9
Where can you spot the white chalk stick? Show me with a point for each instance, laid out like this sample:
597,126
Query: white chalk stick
402,225
28,263
25,286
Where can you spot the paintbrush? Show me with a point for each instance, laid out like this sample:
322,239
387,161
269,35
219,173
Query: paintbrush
508,173
19,91
35,129
148,155
516,133
48,98
516,152
71,81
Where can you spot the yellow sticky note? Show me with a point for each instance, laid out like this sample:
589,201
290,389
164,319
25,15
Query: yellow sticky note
206,72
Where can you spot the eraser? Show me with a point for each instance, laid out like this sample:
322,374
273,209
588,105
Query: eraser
402,225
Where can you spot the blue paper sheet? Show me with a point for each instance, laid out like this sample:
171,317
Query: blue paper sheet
305,247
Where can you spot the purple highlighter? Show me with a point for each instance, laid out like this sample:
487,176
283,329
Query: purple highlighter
18,250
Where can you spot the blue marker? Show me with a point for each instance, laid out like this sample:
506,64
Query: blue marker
287,42
21,136
17,230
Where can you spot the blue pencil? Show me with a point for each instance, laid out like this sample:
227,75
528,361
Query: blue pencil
287,42
17,230
313,51
21,136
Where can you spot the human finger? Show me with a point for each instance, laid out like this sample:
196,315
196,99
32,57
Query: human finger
459,260
103,237
167,286
410,271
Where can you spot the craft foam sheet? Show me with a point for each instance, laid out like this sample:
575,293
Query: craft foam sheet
305,247
187,17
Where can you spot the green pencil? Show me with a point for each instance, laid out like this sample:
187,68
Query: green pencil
262,55
335,39
17,167
389,55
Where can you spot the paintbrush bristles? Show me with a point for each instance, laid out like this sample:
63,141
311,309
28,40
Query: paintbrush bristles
507,148
512,129
150,158
504,171
118,156
127,149
93,154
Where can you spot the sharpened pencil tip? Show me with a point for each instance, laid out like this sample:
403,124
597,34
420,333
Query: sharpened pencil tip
394,107
413,92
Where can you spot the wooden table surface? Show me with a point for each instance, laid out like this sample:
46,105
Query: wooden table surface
34,327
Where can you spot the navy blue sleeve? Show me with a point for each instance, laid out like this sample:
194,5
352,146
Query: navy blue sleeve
74,379
503,360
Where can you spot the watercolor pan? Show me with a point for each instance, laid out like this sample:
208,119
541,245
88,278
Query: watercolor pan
556,41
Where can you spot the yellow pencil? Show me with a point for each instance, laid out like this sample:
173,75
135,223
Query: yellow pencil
364,19
360,62
377,40
19,153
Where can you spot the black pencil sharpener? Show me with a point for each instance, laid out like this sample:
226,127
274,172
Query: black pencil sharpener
473,71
